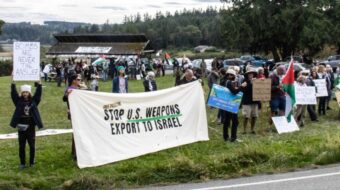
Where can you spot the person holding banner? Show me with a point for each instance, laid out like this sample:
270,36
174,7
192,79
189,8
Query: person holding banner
73,83
120,82
249,107
234,88
330,74
26,116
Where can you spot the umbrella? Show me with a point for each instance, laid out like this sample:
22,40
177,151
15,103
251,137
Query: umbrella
99,61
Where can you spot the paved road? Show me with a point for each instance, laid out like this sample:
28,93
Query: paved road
316,179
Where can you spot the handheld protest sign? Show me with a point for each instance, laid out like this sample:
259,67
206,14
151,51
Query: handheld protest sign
26,61
321,87
221,97
262,90
305,95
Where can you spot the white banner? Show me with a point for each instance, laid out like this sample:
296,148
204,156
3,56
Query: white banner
110,127
26,59
39,133
321,88
99,50
305,95
283,126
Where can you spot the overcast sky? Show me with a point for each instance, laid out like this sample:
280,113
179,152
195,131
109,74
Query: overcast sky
91,11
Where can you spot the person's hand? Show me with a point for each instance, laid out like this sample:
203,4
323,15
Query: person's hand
244,84
69,92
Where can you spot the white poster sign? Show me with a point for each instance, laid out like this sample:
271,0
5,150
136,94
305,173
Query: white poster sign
98,50
110,127
283,126
305,95
26,59
321,88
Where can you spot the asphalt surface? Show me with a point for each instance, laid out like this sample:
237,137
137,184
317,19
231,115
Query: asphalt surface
316,179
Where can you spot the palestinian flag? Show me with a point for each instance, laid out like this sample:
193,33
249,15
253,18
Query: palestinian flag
288,86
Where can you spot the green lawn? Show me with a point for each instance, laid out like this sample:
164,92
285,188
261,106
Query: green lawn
266,152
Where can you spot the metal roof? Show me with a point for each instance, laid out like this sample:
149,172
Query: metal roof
101,44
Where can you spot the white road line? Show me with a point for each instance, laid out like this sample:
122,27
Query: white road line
268,182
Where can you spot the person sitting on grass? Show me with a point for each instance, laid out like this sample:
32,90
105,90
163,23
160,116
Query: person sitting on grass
26,116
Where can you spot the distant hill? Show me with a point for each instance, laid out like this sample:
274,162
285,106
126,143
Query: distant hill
26,31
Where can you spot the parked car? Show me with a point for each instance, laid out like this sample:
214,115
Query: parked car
233,62
332,61
197,64
255,61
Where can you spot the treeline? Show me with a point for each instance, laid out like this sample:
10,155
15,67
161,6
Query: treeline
278,27
186,28
25,31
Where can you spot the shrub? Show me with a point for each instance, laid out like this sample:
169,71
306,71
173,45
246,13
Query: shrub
5,68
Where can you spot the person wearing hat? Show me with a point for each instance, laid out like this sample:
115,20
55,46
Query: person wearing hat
150,83
120,82
234,88
26,116
73,83
249,107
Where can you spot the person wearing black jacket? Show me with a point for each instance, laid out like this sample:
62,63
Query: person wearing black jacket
232,85
150,83
249,107
26,116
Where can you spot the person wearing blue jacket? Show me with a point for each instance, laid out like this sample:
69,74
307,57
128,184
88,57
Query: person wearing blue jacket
120,82
26,116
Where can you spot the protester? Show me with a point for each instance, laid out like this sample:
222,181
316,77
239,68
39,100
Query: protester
278,98
73,83
322,100
188,77
309,82
213,78
260,73
299,114
120,82
223,80
58,70
331,77
94,83
203,68
150,83
232,85
249,107
47,70
105,70
26,116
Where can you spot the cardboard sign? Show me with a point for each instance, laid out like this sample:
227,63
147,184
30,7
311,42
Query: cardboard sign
283,126
321,88
221,97
262,89
26,60
337,95
305,95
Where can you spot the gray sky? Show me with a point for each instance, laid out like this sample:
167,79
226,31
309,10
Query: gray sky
91,11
